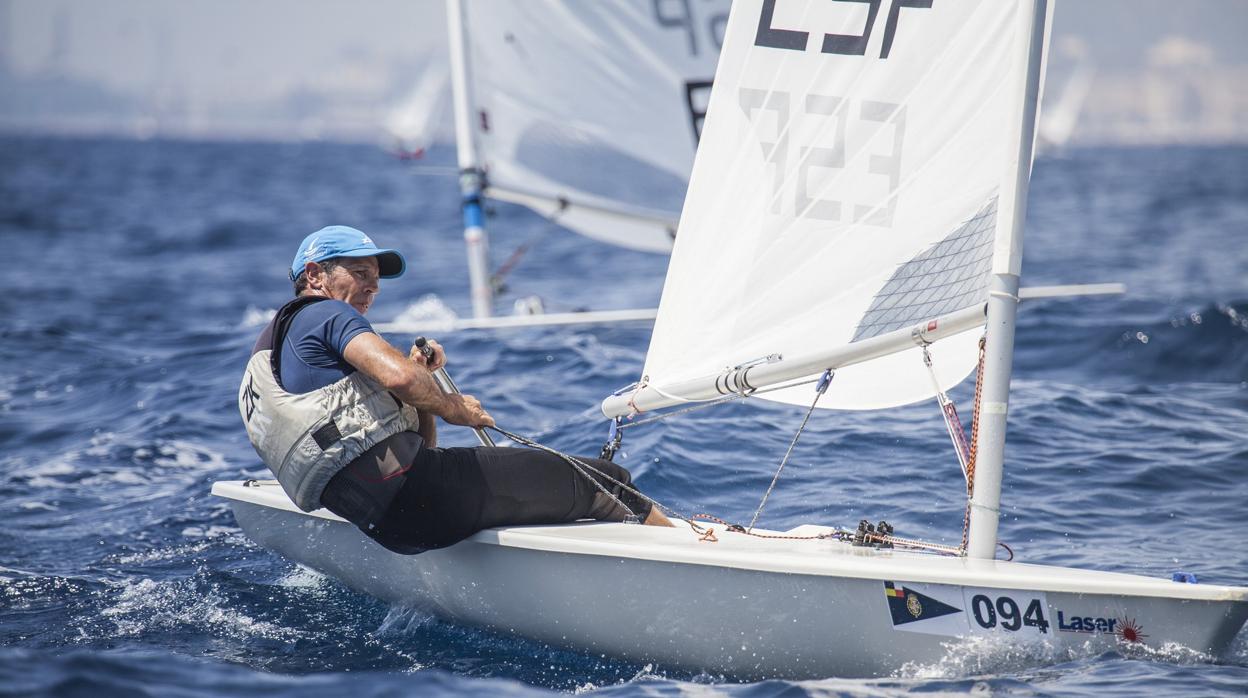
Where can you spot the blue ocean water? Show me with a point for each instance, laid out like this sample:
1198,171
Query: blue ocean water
137,274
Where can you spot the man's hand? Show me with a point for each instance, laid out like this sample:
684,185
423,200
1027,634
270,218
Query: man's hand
433,363
470,413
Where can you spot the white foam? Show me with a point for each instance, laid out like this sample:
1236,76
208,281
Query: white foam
974,656
978,655
99,443
1238,651
402,620
208,532
428,313
49,474
170,605
256,317
181,460
1170,653
304,578
38,506
176,552
13,573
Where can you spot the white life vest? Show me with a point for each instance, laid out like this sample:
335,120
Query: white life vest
306,438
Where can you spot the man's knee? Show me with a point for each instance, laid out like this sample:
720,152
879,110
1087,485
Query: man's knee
617,473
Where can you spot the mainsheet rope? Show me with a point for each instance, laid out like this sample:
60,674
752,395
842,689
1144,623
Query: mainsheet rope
585,469
705,533
822,388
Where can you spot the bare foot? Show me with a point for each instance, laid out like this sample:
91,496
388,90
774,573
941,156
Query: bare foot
656,518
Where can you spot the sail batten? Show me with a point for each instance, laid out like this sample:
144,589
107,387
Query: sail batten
850,182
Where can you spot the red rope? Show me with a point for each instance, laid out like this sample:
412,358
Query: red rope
970,462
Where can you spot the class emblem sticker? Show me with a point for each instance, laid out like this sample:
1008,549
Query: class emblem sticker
909,606
1130,631
1125,629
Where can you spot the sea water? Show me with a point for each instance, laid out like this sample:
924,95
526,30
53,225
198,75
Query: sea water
136,275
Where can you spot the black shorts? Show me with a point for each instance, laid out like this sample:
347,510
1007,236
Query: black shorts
451,493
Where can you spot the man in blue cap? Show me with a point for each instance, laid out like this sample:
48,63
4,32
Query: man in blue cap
346,421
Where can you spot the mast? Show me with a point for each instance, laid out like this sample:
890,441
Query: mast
470,174
1003,300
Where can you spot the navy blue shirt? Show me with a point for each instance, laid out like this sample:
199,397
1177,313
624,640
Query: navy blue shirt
312,352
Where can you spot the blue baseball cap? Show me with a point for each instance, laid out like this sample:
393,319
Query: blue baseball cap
344,241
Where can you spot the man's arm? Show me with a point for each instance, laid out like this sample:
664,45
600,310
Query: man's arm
428,428
411,382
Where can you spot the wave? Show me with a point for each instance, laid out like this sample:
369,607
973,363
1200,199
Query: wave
1205,344
148,672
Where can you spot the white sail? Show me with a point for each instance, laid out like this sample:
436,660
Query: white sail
577,99
423,118
856,165
1057,123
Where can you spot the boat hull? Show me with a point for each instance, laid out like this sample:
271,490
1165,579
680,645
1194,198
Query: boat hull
845,611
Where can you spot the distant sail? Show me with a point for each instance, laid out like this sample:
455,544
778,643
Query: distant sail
854,178
589,111
1057,123
422,119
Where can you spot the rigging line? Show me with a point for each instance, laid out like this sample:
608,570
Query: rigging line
708,533
838,534
500,274
819,391
577,465
953,424
581,467
716,401
499,277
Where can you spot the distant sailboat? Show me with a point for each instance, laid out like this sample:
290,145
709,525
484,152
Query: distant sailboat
1058,121
417,123
559,104
854,216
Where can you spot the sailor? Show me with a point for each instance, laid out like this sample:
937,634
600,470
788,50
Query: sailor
346,421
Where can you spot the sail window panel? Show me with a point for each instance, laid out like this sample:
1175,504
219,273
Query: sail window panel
924,297
967,249
947,292
892,287
943,263
890,300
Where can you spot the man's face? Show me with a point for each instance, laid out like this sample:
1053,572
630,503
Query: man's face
353,281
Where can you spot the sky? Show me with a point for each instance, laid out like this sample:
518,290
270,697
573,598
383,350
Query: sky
312,66
216,46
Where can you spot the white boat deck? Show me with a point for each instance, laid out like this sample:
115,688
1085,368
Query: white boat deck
828,558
